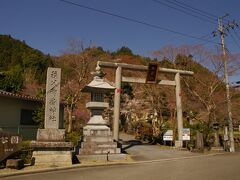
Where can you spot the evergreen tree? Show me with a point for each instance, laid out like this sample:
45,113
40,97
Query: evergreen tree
17,59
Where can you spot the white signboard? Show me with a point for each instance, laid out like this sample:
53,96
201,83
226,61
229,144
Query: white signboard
168,136
225,137
186,134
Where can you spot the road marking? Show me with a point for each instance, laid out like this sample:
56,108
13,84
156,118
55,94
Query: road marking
176,158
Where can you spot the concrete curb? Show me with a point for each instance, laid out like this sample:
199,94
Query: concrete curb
51,169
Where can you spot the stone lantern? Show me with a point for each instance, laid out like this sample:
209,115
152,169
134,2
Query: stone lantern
216,135
98,88
97,142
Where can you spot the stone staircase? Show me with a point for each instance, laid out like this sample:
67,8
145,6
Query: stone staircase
98,145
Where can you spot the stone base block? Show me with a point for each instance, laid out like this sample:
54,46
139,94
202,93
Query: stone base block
51,135
15,163
96,130
178,144
98,150
51,145
103,157
99,145
52,158
97,139
90,144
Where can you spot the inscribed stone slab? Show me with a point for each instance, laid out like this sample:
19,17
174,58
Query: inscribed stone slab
52,98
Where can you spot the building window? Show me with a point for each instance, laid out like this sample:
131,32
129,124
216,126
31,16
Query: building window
27,117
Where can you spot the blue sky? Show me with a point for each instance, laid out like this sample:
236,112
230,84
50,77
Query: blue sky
47,25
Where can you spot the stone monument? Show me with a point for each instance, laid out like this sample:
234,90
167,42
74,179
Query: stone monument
98,142
216,144
50,147
199,144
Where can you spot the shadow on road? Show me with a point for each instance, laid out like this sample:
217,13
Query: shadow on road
130,143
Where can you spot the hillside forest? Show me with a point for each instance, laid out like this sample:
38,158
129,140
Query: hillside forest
147,110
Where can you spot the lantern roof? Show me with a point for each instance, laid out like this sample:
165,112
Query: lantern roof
98,84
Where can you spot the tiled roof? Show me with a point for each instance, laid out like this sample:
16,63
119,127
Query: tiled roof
20,96
25,97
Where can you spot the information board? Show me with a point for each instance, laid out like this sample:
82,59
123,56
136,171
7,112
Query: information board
9,144
168,135
186,134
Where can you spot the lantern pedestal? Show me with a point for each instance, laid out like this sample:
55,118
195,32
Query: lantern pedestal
97,137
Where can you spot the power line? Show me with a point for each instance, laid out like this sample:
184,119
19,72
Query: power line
179,4
236,34
234,40
207,36
185,12
137,21
196,9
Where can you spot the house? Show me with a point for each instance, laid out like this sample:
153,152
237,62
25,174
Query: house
16,114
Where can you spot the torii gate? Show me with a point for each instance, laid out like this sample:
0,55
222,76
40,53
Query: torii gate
118,79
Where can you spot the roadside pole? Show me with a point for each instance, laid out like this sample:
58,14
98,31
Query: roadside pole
230,124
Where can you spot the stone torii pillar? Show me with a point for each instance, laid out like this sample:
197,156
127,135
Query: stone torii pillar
117,95
179,110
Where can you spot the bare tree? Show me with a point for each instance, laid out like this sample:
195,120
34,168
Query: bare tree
205,92
157,99
76,64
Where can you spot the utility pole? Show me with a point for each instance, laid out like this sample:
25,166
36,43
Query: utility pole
221,30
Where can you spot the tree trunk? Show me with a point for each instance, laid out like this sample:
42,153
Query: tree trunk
69,128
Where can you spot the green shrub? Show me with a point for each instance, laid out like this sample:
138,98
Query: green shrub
26,152
74,137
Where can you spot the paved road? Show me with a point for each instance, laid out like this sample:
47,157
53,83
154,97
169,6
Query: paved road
143,152
220,167
146,152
